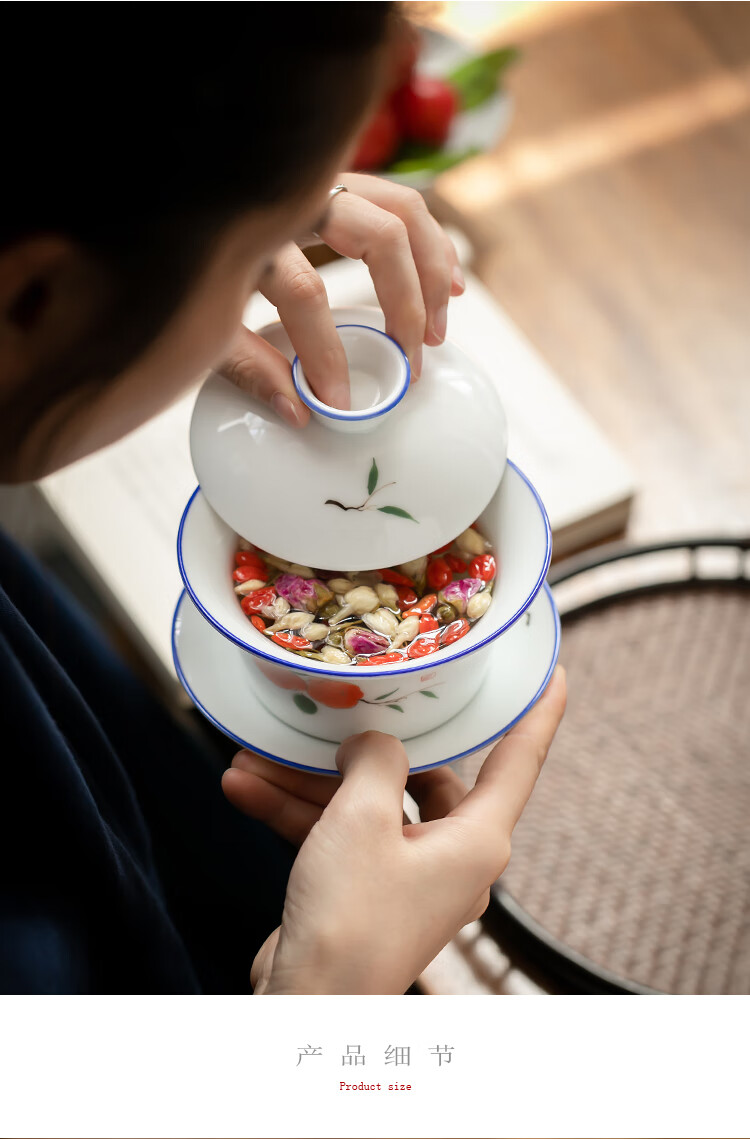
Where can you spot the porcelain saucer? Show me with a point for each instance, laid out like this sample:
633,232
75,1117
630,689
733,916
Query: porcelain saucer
213,673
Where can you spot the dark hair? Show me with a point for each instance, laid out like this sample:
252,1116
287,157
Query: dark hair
141,130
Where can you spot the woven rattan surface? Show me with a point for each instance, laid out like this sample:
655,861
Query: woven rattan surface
635,847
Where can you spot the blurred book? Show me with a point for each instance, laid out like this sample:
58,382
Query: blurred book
119,510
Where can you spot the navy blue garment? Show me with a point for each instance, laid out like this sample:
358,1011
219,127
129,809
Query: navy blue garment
122,867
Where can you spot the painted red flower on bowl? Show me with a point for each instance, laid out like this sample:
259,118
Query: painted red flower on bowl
309,694
332,693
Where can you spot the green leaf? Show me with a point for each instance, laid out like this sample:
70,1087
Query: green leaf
386,694
432,695
304,703
476,81
397,511
372,478
432,159
396,707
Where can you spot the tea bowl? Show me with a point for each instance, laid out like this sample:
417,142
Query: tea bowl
333,701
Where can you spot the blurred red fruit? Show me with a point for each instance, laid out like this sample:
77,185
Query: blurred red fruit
425,108
379,141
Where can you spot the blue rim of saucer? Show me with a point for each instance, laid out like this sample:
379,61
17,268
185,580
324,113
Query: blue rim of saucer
324,771
352,416
417,664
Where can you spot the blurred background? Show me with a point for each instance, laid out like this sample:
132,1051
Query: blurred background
612,223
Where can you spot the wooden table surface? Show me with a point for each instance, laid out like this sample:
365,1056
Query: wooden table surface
613,225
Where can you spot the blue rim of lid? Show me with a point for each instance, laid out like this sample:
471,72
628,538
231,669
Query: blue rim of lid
321,408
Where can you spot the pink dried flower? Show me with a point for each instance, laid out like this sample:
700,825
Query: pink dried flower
301,592
363,642
458,593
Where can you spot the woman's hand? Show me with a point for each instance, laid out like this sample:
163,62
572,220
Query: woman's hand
414,269
371,901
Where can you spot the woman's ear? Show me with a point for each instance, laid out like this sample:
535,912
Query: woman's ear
38,307
26,269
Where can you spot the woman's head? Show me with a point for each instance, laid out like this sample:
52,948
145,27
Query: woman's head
158,155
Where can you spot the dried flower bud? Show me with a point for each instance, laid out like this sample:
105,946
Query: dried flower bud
316,632
297,590
478,605
248,586
457,593
414,569
302,593
387,595
362,599
340,585
295,621
343,613
382,621
406,632
363,642
301,571
332,655
471,542
279,563
367,577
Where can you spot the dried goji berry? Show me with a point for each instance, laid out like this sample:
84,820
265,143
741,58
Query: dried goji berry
424,644
248,558
439,574
426,603
454,631
456,564
255,601
291,641
427,623
394,578
483,567
406,596
259,623
247,572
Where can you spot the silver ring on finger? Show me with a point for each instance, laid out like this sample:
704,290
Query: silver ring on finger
340,189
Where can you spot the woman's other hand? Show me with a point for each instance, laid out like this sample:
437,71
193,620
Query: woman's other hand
371,901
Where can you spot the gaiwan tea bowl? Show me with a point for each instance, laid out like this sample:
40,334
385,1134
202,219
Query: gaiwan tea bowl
333,701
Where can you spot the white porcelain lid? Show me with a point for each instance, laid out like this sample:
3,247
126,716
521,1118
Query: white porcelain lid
373,489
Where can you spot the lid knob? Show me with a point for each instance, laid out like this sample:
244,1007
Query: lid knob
379,376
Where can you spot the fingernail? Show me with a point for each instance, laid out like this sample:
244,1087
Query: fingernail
341,398
458,278
440,323
242,761
416,363
284,407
